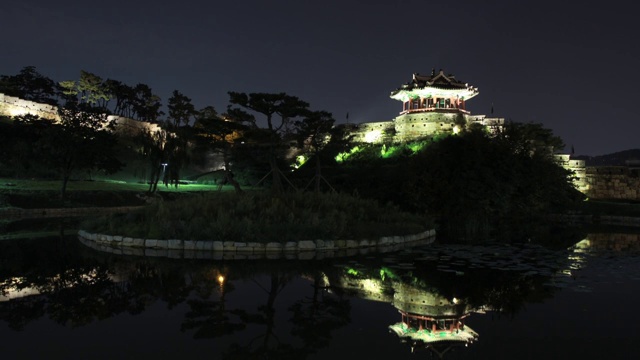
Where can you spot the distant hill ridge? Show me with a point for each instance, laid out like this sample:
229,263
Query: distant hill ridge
622,158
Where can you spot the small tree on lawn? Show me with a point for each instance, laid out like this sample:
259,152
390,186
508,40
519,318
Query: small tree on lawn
80,141
221,134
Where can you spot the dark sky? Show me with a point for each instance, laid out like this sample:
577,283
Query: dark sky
571,66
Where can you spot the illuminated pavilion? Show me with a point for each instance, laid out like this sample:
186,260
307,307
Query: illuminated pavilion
431,105
434,93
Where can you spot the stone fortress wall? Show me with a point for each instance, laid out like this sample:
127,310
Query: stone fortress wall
373,132
410,126
578,168
417,125
613,182
13,106
603,182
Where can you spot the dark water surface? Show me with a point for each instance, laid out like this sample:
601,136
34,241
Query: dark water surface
61,299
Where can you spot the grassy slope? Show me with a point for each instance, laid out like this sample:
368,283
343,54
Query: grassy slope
45,193
35,194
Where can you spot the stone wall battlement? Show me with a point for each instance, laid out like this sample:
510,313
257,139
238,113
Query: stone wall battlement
13,106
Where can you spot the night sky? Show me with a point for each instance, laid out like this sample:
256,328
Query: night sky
571,66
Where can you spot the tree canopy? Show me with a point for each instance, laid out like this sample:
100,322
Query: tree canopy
285,106
478,182
29,84
312,133
181,110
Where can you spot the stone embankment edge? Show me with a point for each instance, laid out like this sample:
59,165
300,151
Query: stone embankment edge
127,244
629,221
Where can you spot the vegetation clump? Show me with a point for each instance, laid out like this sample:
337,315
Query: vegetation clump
262,217
479,185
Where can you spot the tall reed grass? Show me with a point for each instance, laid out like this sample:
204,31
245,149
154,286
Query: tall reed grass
261,217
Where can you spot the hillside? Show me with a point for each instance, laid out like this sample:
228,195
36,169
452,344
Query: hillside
622,158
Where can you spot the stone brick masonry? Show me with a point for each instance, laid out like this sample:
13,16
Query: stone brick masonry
305,249
613,182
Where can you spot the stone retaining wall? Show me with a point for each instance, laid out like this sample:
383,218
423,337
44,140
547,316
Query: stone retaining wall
306,249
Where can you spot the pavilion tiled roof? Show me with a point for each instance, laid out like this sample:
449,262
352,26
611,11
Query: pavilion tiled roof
436,80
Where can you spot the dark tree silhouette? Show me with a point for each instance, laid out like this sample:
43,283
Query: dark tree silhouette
181,110
313,132
286,108
124,96
146,105
476,181
29,84
316,316
221,134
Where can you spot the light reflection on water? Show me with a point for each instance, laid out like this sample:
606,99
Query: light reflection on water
522,301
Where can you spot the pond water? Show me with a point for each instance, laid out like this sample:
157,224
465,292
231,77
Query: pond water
61,299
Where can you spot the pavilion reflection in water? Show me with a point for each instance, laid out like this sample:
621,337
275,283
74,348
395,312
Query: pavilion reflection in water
428,320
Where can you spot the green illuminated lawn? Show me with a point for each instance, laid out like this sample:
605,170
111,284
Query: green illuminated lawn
101,185
45,193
